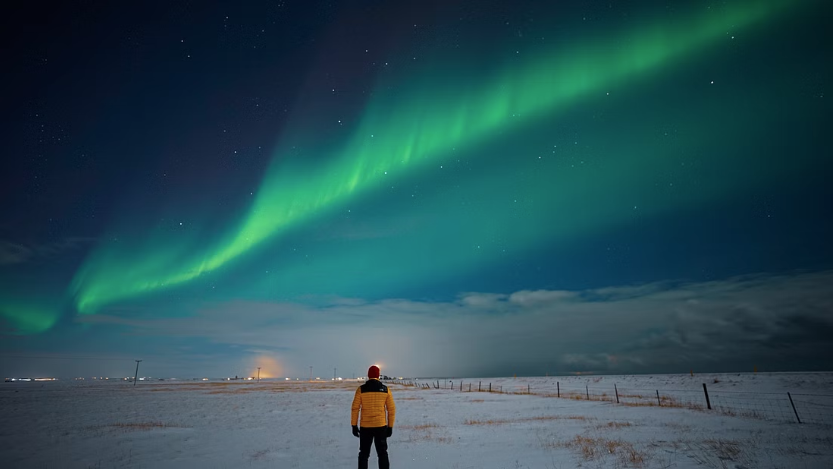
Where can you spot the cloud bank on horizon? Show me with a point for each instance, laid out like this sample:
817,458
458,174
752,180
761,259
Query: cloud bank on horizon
738,324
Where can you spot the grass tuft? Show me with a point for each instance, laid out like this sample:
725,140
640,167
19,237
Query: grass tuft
524,419
141,426
592,449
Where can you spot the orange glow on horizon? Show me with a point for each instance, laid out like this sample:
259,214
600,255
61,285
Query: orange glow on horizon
270,367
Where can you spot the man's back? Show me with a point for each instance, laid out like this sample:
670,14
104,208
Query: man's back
374,399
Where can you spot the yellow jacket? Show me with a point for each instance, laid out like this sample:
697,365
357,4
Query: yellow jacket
374,399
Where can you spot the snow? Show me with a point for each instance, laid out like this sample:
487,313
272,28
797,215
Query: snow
289,424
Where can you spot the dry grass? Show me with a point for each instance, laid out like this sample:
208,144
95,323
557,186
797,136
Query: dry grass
643,404
679,427
140,426
524,419
665,402
595,448
724,449
724,454
423,432
247,386
616,425
477,400
584,397
740,413
237,387
424,426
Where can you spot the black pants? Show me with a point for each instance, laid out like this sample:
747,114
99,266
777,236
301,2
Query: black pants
379,437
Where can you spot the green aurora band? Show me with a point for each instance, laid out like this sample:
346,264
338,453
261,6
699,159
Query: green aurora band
29,318
407,135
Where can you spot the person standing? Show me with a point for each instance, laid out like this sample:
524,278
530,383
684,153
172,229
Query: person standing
375,402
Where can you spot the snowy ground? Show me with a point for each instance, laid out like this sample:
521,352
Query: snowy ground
306,425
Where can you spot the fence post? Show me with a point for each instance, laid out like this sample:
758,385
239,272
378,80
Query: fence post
588,396
461,386
490,387
557,389
794,408
470,387
479,386
658,397
707,395
616,393
528,389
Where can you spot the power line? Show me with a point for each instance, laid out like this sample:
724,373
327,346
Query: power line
136,375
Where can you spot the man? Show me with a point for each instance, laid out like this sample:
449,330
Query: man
374,400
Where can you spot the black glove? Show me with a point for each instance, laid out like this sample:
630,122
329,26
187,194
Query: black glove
355,430
390,432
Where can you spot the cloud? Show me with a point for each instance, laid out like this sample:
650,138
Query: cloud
16,253
527,297
12,253
774,322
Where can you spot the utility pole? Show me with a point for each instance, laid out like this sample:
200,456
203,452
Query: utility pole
136,375
259,374
311,372
334,374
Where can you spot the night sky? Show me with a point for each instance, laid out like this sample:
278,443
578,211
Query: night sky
453,189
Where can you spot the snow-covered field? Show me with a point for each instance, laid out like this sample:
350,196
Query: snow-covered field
278,424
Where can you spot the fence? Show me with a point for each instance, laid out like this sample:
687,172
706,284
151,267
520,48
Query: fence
784,407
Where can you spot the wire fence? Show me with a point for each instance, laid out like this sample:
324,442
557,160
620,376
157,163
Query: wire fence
782,407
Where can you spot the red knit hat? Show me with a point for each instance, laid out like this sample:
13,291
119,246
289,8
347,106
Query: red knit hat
373,372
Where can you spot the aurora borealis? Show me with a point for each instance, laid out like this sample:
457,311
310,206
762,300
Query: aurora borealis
289,185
